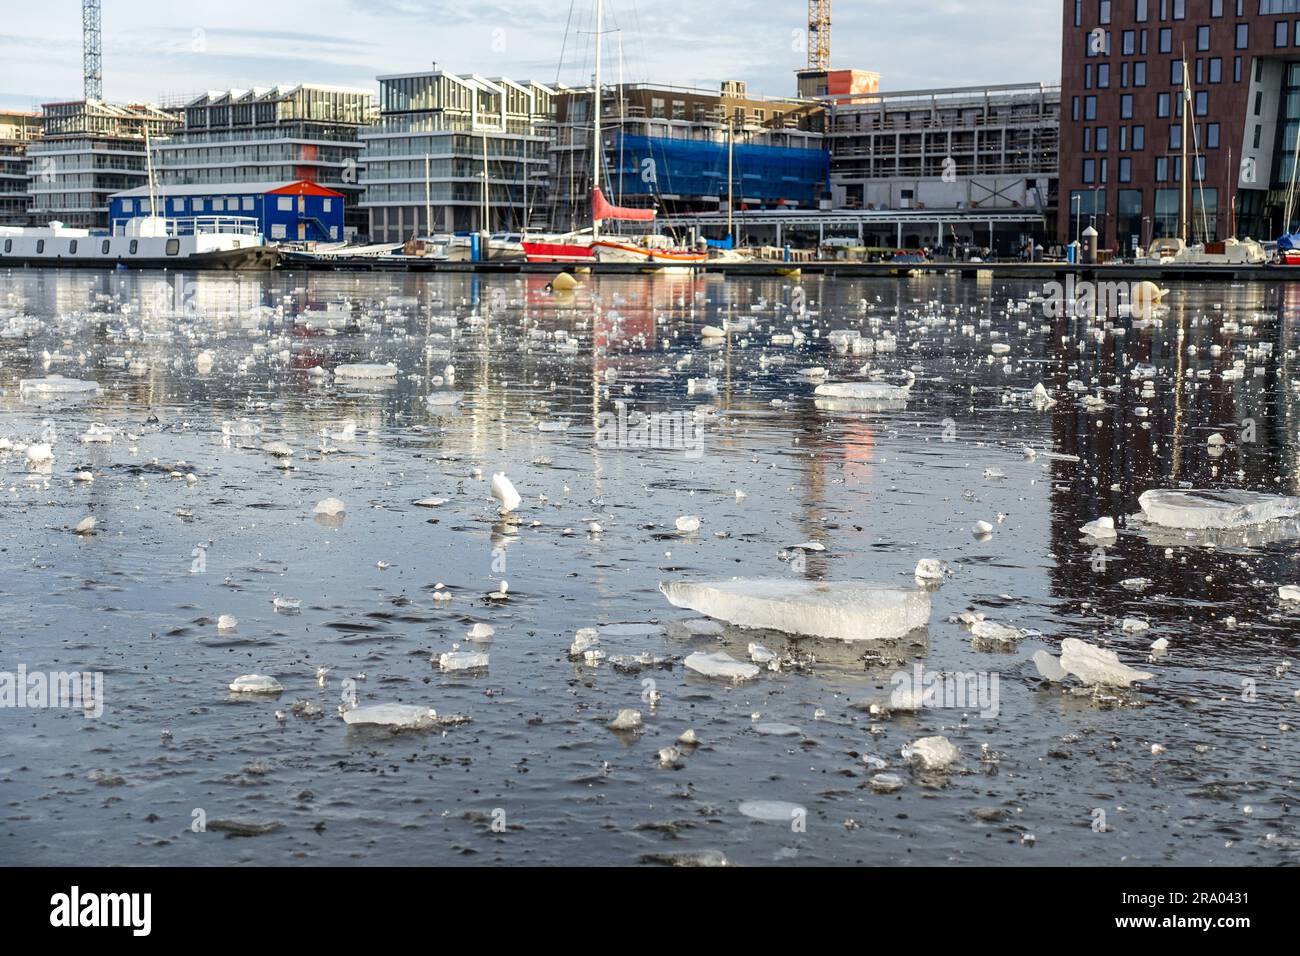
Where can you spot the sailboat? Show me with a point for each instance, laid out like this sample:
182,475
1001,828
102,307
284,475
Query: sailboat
1288,244
1179,250
587,245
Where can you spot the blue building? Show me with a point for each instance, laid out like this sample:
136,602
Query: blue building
285,212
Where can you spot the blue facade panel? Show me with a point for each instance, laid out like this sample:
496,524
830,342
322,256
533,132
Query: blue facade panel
651,165
281,217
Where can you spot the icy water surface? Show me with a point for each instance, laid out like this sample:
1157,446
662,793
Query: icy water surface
204,376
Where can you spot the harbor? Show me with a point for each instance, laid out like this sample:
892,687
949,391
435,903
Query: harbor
599,441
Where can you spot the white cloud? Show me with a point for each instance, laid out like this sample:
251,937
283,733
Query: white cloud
154,49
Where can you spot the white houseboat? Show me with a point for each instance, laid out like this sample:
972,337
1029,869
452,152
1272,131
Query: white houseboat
150,242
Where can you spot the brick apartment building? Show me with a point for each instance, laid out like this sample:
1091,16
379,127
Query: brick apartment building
1121,129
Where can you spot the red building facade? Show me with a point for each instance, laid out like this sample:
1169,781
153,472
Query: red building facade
1122,98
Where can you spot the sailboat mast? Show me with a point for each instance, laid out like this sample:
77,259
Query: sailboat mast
1187,105
153,186
731,148
596,146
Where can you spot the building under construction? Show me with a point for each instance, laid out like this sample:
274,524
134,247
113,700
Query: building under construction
89,150
672,147
17,132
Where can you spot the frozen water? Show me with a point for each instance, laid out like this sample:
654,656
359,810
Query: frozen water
720,665
463,661
504,492
879,485
1201,510
1096,665
840,611
255,684
931,753
365,371
865,391
393,716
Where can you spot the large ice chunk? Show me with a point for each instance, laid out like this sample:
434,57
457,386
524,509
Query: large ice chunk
396,716
1208,509
840,611
1094,665
720,665
865,391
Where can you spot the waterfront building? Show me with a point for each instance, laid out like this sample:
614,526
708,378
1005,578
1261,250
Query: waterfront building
298,211
87,151
17,131
671,148
962,151
455,153
272,135
1122,85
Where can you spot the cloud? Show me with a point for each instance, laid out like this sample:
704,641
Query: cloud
150,45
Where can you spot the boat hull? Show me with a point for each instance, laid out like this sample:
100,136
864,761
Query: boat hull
542,251
252,259
623,252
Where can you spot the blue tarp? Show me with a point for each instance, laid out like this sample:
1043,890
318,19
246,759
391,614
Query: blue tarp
656,166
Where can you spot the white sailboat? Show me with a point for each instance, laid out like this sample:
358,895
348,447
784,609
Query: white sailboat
1180,250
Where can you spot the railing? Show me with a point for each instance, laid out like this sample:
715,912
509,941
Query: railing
198,225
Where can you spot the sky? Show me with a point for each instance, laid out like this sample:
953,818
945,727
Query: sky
167,51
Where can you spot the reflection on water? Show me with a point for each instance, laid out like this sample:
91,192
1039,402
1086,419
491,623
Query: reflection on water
536,776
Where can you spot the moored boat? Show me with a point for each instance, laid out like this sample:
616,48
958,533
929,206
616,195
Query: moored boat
150,242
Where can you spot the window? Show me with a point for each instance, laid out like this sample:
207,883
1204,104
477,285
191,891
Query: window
135,246
1140,73
327,205
1089,170
128,205
1126,106
1104,13
1103,139
178,205
248,204
1216,9
173,247
1243,36
1216,69
1175,137
1166,40
1162,105
40,246
1281,34
72,247
1125,169
1103,76
1176,73
1162,169
1202,103
285,203
9,246
1141,16
1202,39
103,249
1212,136
1129,42
218,205
1090,107
197,205
1139,138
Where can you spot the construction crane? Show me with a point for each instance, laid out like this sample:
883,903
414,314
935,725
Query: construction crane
819,34
90,51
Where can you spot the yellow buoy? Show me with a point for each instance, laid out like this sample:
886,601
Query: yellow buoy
564,283
1146,296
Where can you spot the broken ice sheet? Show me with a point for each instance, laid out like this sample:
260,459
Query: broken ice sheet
838,611
1204,510
720,665
393,716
